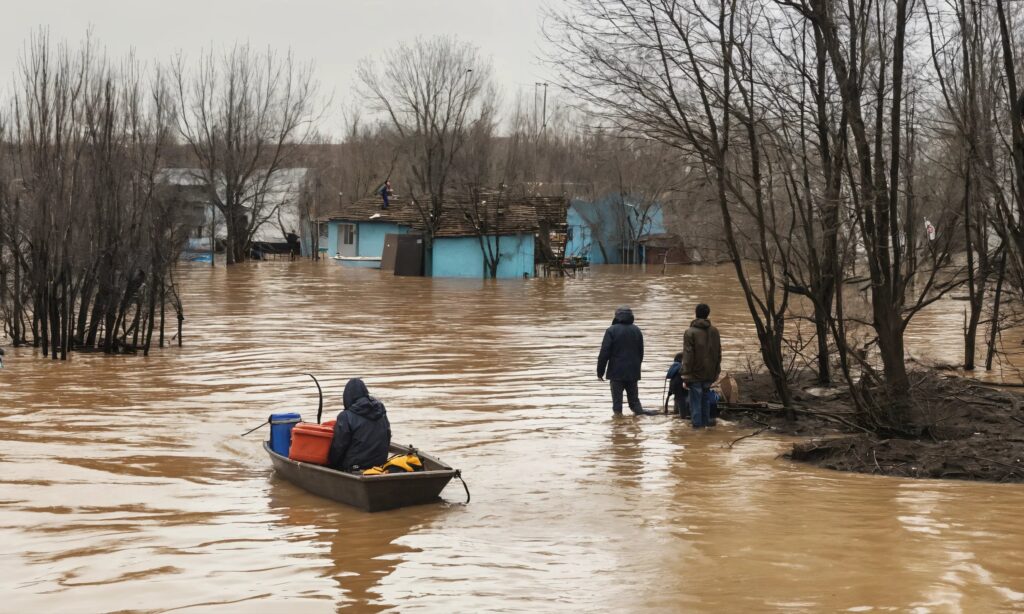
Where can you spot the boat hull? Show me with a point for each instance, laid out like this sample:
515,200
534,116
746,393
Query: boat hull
371,493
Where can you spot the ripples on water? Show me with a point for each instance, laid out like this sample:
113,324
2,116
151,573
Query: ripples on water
125,484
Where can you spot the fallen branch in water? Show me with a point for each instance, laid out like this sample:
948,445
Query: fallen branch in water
775,408
989,460
739,439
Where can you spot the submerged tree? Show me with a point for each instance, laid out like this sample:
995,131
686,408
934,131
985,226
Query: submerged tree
805,119
88,231
243,115
684,74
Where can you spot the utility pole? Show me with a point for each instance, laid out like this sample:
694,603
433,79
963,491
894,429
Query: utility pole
536,85
544,115
213,233
213,219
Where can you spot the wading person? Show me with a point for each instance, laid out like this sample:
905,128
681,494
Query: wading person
294,244
702,364
622,353
676,389
362,434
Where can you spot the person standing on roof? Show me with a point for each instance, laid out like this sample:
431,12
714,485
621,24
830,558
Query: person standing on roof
702,364
385,194
362,434
622,353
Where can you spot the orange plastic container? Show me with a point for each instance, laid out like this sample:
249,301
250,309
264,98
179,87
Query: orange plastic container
311,442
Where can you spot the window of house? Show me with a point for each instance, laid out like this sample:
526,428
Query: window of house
348,234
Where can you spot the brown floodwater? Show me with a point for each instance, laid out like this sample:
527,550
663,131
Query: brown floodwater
125,484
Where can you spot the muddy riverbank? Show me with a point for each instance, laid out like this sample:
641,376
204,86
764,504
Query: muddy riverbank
974,431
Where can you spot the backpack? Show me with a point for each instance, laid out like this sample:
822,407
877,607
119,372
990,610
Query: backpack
399,463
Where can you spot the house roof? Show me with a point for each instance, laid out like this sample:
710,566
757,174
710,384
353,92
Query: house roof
400,211
499,214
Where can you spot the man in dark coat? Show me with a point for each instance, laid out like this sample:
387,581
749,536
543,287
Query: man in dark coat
362,434
702,364
294,244
622,353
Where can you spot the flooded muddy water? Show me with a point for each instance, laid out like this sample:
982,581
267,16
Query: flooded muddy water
125,484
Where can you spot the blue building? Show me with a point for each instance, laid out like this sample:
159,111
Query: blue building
356,233
490,229
613,230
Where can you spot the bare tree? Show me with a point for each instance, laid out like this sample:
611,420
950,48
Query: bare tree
243,114
964,44
89,233
684,74
432,91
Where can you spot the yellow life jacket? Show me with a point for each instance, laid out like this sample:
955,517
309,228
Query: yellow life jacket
399,463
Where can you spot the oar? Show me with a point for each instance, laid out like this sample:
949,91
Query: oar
320,409
253,429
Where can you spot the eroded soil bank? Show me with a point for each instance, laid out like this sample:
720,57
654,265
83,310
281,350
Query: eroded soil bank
975,431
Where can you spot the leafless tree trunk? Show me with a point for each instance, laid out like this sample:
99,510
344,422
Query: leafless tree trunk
686,75
90,232
432,91
243,114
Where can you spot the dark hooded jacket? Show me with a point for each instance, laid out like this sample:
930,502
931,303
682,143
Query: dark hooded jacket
702,352
622,350
362,434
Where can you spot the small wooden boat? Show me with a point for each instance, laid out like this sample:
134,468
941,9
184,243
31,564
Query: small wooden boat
371,493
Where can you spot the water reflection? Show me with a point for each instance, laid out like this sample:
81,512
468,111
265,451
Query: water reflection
358,550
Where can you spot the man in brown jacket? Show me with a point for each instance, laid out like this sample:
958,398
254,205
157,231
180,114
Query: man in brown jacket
702,364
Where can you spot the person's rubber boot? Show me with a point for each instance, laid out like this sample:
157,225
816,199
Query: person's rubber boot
645,412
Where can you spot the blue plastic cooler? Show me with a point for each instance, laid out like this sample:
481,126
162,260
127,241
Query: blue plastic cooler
281,426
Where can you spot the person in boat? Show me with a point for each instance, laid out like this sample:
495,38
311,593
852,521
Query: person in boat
362,433
622,353
702,364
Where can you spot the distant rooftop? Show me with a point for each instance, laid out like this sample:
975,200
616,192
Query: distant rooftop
501,214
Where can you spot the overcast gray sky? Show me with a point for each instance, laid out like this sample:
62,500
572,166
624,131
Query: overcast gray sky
333,33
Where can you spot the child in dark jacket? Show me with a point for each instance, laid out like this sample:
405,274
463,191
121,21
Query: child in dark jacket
676,392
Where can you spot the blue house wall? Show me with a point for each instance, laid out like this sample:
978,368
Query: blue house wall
462,257
369,237
609,224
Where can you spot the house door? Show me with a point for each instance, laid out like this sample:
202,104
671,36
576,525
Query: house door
347,239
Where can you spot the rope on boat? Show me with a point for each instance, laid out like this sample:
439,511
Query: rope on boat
458,474
253,429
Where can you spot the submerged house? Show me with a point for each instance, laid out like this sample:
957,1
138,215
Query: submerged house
615,231
356,233
476,233
276,201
